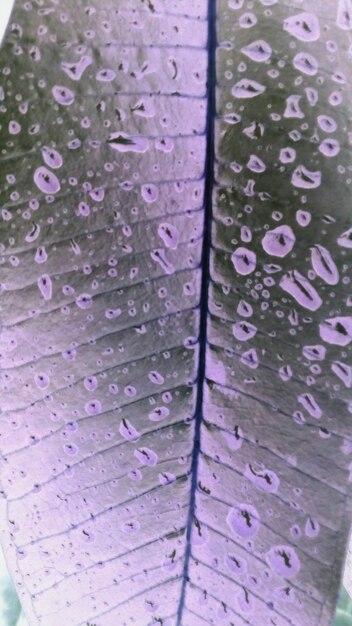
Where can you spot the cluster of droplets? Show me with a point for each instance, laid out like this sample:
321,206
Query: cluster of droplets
101,206
276,400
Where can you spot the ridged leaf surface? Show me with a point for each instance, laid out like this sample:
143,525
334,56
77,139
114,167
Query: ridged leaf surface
175,235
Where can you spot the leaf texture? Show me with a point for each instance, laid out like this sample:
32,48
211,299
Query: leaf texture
175,310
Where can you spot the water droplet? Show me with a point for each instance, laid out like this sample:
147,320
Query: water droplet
247,88
304,26
244,261
146,456
284,561
46,180
244,520
279,241
301,290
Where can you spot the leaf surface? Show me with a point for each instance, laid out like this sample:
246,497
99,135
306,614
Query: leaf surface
175,311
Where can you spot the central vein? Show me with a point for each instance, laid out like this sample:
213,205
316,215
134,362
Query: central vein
208,195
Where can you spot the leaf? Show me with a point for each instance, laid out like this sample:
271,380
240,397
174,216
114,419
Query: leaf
175,311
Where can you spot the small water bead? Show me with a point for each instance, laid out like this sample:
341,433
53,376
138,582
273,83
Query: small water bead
236,167
305,179
301,290
295,532
41,255
314,352
135,475
165,144
244,309
46,181
234,439
324,265
283,560
306,63
247,88
169,234
311,528
244,261
303,26
67,290
309,403
125,143
285,594
345,240
250,358
329,147
336,98
69,355
312,95
42,380
280,241
159,256
93,407
130,391
63,95
33,233
287,155
166,478
52,158
336,330
264,479
156,378
236,4
128,431
245,601
149,193
105,75
90,383
247,20
14,127
84,301
112,314
71,449
343,372
255,164
285,373
159,414
131,528
327,123
45,286
236,564
244,520
146,456
344,14
243,331
258,50
293,109
303,218
75,70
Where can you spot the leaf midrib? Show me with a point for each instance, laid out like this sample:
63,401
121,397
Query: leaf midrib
208,199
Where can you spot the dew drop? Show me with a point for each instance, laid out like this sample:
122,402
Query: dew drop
146,456
244,261
279,241
243,520
247,88
46,180
303,26
128,431
284,561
